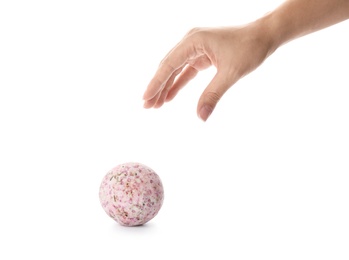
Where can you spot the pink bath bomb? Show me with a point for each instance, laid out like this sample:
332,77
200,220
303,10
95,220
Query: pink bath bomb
131,194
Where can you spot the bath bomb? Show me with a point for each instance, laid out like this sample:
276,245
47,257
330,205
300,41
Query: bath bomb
131,194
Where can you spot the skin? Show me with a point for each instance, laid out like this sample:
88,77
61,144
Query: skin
237,51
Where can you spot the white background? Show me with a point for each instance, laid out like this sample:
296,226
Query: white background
266,177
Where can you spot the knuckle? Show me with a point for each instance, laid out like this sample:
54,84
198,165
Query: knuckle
196,36
194,30
199,33
212,98
167,65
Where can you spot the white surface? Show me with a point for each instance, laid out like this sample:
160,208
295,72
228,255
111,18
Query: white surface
266,177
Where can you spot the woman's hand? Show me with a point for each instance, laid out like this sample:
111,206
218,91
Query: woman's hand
234,51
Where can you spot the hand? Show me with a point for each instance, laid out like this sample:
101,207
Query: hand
234,51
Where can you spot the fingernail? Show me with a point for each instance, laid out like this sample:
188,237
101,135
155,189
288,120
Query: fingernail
205,112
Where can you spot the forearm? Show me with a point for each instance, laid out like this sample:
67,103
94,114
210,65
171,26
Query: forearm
295,18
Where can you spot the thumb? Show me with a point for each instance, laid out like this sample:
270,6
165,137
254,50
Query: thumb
212,94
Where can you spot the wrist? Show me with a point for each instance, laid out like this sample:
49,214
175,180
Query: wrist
277,30
268,30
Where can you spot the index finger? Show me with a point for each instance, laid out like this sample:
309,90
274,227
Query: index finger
176,59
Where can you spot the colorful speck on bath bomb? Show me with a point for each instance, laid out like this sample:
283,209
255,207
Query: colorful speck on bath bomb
131,194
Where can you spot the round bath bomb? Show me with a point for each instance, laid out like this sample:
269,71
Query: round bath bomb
131,194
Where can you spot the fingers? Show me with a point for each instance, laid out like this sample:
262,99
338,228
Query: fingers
162,97
151,102
213,93
171,88
188,74
175,60
158,98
